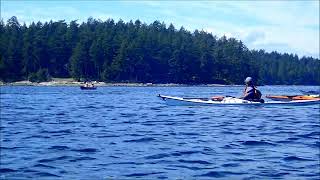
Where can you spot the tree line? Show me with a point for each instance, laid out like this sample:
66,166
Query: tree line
138,52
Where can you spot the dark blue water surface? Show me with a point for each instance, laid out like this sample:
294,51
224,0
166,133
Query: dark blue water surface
127,133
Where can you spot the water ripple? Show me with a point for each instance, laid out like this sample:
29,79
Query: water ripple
295,158
140,140
128,133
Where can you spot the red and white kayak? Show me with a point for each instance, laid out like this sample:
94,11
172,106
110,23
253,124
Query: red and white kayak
232,101
293,97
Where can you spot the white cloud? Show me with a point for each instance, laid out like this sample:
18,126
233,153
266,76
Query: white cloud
254,37
104,17
281,26
34,14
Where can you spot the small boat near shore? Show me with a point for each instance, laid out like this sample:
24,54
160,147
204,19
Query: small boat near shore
88,88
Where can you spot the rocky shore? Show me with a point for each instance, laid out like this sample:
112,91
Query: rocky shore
72,82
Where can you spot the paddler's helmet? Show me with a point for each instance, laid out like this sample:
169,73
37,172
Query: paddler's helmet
248,80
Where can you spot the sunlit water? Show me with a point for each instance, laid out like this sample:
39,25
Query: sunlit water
127,132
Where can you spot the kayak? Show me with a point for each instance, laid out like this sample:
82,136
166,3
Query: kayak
293,97
232,101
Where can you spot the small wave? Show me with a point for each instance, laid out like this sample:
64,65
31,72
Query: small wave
82,159
96,125
44,166
17,132
86,150
185,114
295,158
230,132
134,163
194,161
140,140
316,175
208,149
37,136
190,134
67,122
190,121
88,107
157,156
243,160
117,157
53,159
292,139
230,146
310,135
25,108
257,143
10,148
107,106
155,108
62,157
7,170
148,124
180,153
29,171
46,160
66,131
60,114
215,174
107,136
59,147
237,153
128,114
204,118
231,165
135,135
189,167
220,174
46,174
274,174
170,123
283,142
162,115
142,174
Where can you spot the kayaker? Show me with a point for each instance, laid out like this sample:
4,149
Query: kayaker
251,92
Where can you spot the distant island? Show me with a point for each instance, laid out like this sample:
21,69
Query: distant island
136,52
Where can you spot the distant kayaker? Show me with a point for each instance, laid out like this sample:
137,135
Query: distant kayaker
251,92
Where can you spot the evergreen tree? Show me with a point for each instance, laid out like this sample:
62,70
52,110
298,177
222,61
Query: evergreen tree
139,52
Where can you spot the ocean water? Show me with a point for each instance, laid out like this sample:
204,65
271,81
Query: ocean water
128,133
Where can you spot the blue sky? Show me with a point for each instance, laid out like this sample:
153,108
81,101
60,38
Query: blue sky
284,26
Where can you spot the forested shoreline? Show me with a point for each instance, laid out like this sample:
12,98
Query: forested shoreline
134,51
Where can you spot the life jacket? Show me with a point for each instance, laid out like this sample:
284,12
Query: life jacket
257,93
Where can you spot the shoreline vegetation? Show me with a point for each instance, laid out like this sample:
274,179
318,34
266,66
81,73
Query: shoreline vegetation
110,51
69,82
72,82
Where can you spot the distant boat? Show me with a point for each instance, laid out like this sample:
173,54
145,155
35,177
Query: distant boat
88,88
